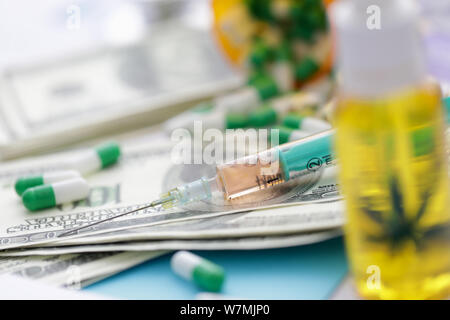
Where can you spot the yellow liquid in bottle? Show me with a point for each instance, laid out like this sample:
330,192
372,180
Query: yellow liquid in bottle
393,174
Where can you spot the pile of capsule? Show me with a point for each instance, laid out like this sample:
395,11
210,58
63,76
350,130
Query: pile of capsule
295,115
285,44
66,185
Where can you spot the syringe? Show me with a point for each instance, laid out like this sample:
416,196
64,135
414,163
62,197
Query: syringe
257,172
250,174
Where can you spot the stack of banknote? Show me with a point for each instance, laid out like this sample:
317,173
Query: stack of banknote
306,212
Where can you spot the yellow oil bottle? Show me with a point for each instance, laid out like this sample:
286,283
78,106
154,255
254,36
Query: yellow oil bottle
391,152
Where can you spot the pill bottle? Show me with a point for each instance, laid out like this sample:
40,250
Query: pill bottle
293,33
390,149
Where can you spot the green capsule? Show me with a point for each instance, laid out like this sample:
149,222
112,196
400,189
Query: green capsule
306,68
236,120
262,117
108,153
256,75
40,197
266,87
260,9
304,31
283,52
259,54
292,121
24,183
283,134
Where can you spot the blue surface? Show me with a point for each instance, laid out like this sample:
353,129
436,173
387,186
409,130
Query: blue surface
305,272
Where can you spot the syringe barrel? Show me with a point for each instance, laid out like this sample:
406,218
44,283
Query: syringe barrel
276,165
306,155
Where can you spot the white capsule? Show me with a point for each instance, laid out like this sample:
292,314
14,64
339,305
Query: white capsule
241,101
307,124
91,160
283,75
86,161
298,134
183,264
55,176
70,190
184,120
314,125
206,120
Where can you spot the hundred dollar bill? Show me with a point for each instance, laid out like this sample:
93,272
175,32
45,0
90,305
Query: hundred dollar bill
99,92
263,222
139,178
247,243
73,270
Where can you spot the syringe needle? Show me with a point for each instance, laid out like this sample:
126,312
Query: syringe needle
74,231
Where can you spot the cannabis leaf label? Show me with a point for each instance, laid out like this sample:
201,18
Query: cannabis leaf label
398,228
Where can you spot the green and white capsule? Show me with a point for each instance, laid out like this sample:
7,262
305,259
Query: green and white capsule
186,119
93,160
262,116
288,134
249,97
217,119
24,183
308,124
50,195
202,272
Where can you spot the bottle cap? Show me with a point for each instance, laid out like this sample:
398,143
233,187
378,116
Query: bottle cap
379,48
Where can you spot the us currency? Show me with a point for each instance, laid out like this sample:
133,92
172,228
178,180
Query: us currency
245,243
60,102
141,175
231,229
262,222
73,270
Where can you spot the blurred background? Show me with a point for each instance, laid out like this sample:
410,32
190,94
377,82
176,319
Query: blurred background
106,65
